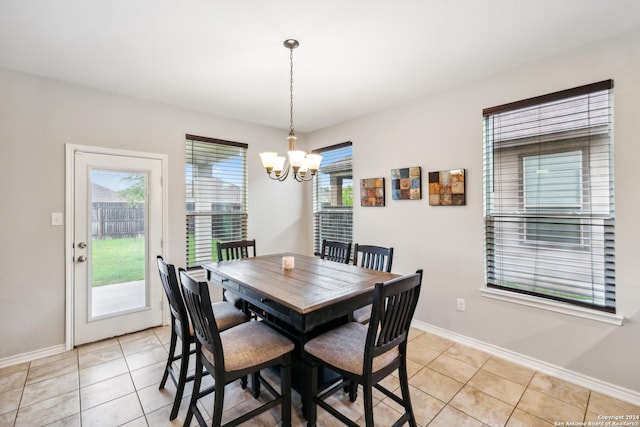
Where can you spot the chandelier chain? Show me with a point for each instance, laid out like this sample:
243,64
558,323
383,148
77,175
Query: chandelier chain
291,91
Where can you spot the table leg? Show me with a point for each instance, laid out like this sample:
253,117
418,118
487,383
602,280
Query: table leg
309,410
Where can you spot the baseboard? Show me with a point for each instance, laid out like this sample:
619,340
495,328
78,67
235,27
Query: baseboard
585,381
32,355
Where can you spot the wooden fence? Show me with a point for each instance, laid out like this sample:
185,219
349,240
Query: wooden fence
112,220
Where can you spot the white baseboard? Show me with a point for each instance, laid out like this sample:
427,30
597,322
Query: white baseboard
612,390
32,355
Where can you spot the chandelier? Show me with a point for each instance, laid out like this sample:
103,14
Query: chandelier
301,165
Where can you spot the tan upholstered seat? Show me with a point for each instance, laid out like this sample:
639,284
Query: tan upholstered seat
227,315
343,347
250,344
362,314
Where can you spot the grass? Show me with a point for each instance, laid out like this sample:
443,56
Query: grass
191,250
118,261
122,260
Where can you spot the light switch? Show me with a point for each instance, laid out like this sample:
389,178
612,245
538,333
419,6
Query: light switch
56,218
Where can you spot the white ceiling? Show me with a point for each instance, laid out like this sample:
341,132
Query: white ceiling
355,57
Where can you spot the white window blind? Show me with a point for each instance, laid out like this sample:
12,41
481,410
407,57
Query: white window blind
333,196
549,197
216,196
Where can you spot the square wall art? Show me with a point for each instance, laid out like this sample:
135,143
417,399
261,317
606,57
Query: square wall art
446,188
372,192
406,184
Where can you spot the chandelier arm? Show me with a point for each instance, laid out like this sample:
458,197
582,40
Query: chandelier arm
307,177
280,178
283,175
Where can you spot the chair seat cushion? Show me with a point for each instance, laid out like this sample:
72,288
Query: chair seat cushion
233,298
250,344
343,347
227,315
362,314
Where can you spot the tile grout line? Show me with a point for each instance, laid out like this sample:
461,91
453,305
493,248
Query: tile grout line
520,400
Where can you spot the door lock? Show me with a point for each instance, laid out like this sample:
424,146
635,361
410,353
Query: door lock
82,245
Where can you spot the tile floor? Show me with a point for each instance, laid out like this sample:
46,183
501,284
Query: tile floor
115,383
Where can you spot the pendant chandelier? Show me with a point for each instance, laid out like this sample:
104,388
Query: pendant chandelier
301,165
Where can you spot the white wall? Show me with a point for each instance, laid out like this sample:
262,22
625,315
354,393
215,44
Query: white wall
37,118
443,132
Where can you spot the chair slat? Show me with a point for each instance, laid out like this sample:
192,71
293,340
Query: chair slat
336,251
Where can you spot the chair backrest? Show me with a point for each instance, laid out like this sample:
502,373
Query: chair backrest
373,257
394,303
171,287
236,250
336,251
205,329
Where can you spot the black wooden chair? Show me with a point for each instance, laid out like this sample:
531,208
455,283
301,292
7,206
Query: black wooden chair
237,249
366,354
336,251
227,316
375,258
235,353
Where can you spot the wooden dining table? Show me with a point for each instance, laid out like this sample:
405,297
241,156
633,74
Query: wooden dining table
301,303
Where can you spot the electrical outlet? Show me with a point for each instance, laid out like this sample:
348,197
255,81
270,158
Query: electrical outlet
461,304
56,218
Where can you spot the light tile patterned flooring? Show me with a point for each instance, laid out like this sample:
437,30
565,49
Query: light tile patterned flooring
115,382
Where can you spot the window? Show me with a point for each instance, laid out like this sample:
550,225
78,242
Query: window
216,195
333,196
552,183
549,197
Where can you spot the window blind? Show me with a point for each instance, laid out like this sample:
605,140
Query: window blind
333,196
549,197
216,196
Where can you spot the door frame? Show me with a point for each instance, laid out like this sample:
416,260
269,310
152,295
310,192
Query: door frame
70,150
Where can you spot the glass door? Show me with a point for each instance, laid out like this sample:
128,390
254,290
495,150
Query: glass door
117,235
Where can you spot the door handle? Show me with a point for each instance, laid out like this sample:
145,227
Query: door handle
81,258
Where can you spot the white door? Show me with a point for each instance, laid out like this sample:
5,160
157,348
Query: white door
117,234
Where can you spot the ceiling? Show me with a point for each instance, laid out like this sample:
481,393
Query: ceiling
355,57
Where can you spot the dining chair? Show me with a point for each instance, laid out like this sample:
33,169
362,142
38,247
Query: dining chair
366,354
228,355
336,251
227,316
375,258
231,250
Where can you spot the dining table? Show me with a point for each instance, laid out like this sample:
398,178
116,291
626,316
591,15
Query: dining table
300,296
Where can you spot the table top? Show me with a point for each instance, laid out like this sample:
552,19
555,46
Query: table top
312,285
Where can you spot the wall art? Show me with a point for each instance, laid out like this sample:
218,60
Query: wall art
447,188
406,184
372,192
